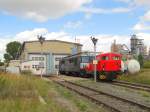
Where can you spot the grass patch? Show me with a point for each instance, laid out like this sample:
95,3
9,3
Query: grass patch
142,77
145,94
20,93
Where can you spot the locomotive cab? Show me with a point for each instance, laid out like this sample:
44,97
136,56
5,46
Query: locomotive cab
109,66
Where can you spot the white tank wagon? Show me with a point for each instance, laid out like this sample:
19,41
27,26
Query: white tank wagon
132,66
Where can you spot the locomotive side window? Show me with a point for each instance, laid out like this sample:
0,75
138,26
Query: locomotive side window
116,58
105,58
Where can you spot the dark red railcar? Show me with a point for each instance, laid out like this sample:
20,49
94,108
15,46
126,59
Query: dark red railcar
108,66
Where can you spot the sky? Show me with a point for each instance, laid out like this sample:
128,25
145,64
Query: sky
75,21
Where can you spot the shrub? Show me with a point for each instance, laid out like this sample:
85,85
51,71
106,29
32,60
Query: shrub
141,61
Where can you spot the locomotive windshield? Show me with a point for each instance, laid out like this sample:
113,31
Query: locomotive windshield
116,58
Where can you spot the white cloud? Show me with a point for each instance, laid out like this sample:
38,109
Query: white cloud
141,27
146,37
73,25
90,11
103,45
105,11
41,10
143,24
136,2
142,2
146,16
125,1
30,35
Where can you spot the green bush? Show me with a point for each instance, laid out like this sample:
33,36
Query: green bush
147,64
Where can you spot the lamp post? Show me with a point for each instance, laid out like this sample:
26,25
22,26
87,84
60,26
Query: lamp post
41,40
94,40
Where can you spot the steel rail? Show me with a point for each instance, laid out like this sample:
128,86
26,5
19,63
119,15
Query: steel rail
142,106
89,97
136,86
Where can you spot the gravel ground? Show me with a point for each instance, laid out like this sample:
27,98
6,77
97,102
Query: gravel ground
117,104
71,78
134,95
127,93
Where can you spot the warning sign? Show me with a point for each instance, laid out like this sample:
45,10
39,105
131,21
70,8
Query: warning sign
95,62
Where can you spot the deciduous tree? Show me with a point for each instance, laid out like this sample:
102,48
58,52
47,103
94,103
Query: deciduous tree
12,50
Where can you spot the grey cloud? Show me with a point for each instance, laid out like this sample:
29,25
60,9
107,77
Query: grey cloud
41,10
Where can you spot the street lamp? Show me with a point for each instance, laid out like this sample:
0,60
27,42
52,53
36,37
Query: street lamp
41,40
94,40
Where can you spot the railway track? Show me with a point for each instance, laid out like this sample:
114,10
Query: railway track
115,103
136,86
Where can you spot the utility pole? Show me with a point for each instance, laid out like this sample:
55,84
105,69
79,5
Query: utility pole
41,40
94,40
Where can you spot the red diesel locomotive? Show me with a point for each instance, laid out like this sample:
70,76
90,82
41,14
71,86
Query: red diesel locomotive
108,65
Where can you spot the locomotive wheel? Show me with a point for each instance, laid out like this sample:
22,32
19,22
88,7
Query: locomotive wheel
102,75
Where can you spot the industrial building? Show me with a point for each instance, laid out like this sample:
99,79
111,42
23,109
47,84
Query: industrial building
45,58
119,48
137,46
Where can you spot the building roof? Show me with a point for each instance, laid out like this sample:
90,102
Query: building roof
134,37
54,41
25,42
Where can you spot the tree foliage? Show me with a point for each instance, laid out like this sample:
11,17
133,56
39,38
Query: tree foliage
141,60
12,50
7,57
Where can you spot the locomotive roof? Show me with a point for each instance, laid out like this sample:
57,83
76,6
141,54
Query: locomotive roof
82,54
92,54
110,53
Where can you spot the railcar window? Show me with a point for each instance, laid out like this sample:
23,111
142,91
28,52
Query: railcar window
91,58
62,61
70,60
85,59
115,58
105,58
75,61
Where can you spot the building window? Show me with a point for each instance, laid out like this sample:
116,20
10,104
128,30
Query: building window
57,59
56,66
26,67
35,66
37,58
42,58
33,58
